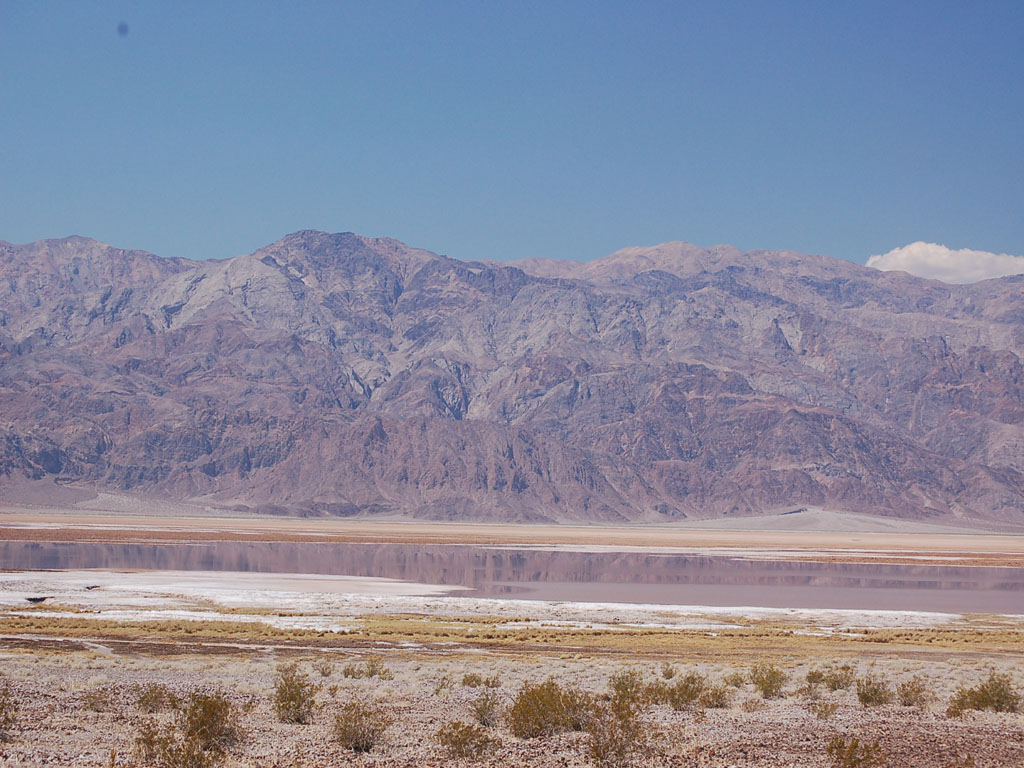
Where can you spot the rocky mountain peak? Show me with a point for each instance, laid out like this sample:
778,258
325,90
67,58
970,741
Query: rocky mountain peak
339,372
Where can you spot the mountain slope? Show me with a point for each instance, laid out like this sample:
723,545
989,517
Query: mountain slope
338,374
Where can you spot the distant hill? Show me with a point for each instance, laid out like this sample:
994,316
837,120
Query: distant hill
337,374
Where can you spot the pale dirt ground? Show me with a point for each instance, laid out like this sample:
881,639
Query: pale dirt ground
57,727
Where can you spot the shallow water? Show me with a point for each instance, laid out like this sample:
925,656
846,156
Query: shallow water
542,574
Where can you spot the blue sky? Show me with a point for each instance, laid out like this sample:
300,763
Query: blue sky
515,129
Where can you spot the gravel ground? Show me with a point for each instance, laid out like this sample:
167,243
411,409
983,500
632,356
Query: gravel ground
79,708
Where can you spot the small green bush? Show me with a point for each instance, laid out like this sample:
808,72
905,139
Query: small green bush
294,695
544,709
8,709
715,696
466,740
769,680
210,718
628,687
372,667
736,679
615,734
913,692
323,667
814,678
823,710
873,691
202,731
682,694
472,680
100,699
852,753
995,693
486,708
360,726
839,678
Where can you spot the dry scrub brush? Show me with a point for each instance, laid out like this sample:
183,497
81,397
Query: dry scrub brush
202,731
486,708
914,692
360,726
873,691
769,680
995,693
853,753
8,709
544,709
294,695
461,739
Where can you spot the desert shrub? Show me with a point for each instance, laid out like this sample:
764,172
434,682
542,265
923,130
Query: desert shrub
486,708
735,679
360,726
199,736
668,671
814,678
294,695
210,719
913,692
492,681
995,693
375,667
154,697
853,753
715,696
372,667
686,691
100,699
823,710
8,709
472,680
323,667
615,734
838,678
466,740
628,687
544,709
768,679
873,691
752,705
443,685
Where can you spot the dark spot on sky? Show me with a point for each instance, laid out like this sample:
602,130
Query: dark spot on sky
122,29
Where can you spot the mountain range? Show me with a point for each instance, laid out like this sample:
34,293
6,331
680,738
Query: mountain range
333,374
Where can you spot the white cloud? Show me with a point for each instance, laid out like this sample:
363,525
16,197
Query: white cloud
937,262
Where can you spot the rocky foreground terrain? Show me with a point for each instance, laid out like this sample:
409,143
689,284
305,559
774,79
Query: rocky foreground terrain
337,374
86,707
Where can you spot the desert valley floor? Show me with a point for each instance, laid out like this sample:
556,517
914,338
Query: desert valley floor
87,666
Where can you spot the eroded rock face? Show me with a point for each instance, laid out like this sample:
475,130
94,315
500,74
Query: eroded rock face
338,374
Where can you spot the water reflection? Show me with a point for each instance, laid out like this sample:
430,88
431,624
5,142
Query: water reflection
634,577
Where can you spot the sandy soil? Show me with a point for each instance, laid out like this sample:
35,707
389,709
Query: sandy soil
78,708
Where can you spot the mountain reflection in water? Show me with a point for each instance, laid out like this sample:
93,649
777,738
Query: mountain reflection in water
541,574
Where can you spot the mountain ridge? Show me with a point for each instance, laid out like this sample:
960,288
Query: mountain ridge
339,374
